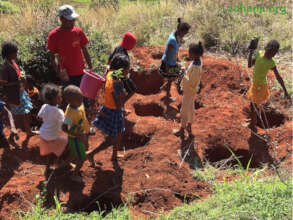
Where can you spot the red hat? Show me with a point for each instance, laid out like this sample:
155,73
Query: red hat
128,41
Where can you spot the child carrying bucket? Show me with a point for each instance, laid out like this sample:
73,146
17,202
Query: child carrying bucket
76,126
110,118
259,91
128,43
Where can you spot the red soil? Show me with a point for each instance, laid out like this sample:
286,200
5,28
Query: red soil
150,175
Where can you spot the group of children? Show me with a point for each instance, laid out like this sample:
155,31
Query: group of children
73,148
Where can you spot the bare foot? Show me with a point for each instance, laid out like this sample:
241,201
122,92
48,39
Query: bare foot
178,132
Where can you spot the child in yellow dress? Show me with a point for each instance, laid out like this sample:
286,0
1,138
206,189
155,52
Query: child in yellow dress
259,91
76,125
190,85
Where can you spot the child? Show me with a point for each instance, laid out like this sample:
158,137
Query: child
170,56
31,90
190,85
34,95
17,97
110,118
2,136
128,43
11,121
258,91
76,125
51,140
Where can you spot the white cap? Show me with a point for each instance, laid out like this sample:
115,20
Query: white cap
67,11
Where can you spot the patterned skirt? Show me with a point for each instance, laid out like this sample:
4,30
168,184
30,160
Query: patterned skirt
25,105
112,124
258,93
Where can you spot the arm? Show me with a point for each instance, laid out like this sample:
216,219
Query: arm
280,80
54,61
65,128
67,131
251,61
170,46
87,57
117,99
128,96
6,83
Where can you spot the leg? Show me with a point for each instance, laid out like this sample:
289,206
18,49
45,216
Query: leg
184,111
117,143
168,88
27,127
190,112
253,115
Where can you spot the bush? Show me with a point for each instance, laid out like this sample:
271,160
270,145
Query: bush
8,7
98,48
105,3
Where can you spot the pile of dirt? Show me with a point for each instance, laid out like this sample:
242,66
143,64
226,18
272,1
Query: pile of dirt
151,175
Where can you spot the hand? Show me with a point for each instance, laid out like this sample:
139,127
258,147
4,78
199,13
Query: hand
102,114
63,75
167,69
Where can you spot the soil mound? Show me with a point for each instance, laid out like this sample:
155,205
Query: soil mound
154,168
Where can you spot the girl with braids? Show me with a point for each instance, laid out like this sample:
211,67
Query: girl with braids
170,56
259,91
110,118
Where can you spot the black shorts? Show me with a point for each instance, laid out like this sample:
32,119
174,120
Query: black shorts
163,70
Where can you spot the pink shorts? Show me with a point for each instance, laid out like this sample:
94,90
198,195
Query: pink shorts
56,146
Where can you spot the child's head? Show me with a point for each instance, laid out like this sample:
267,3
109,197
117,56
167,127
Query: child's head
51,94
128,41
73,96
182,28
272,48
67,16
9,50
195,50
120,61
29,82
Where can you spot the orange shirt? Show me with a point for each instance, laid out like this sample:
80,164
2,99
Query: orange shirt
32,92
109,100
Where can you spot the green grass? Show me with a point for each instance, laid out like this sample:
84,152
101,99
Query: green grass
249,197
37,213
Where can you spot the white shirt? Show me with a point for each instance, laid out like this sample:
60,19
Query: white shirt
53,118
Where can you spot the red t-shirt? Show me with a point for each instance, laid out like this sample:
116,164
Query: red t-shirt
68,44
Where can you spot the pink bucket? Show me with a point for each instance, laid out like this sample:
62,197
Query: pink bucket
91,83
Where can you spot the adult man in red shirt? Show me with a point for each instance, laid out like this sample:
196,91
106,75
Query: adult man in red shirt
69,43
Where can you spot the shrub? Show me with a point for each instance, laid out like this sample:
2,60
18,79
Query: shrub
8,7
105,3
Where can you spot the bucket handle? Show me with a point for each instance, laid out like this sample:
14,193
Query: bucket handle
96,76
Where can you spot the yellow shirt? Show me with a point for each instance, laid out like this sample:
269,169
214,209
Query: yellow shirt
76,120
191,79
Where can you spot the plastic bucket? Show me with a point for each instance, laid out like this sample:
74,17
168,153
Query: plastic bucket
91,83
